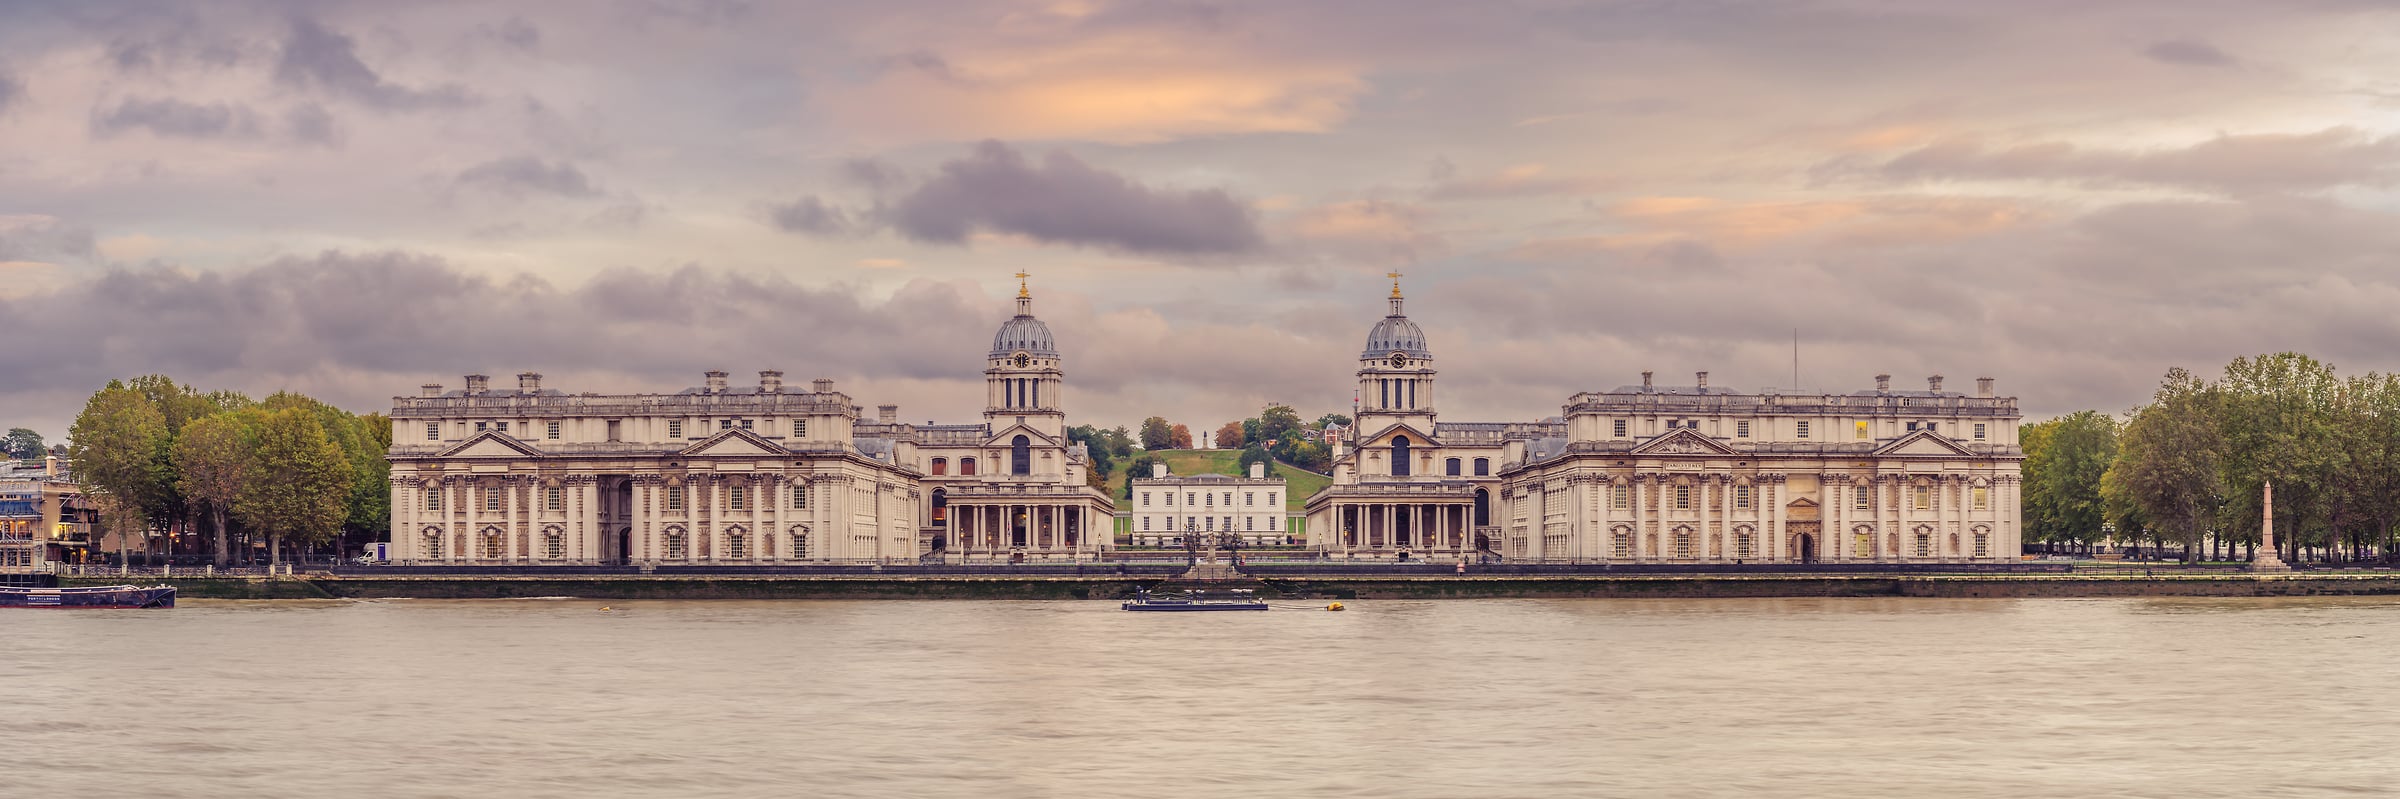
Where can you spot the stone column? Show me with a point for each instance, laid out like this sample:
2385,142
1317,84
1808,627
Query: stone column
1707,481
1640,552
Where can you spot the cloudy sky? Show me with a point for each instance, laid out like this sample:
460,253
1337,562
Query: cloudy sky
351,199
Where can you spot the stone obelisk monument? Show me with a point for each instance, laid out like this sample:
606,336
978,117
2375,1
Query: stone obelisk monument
2266,560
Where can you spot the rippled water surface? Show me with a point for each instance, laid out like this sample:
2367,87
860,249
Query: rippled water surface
2016,698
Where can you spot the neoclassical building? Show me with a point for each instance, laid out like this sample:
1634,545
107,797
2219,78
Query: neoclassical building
1694,474
1669,474
1405,483
1165,506
770,474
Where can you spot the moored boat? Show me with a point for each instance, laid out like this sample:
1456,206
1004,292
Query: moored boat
97,596
1198,600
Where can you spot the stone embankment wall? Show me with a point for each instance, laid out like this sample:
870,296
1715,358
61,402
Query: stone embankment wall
1469,587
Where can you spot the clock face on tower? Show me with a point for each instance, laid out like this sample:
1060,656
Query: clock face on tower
1399,359
1024,360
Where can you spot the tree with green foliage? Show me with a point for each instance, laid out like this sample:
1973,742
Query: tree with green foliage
2171,462
1157,434
212,466
1275,422
1331,419
300,484
116,444
2062,476
24,443
2275,413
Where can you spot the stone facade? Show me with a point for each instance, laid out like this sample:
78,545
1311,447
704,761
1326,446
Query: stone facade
769,474
1674,474
1165,506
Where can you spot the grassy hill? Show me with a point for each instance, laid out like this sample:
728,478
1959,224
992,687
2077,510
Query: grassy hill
1298,484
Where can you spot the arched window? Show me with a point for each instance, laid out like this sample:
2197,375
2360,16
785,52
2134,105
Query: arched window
1020,456
1483,467
737,543
433,543
678,547
1399,456
966,466
1483,507
1450,467
941,507
494,547
941,466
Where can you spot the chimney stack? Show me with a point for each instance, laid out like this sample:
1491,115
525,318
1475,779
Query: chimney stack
1703,378
1933,383
823,385
1158,470
716,381
770,382
887,414
430,390
1883,383
1645,380
1258,471
477,384
529,382
1983,386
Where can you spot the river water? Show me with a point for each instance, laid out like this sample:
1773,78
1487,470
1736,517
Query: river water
1536,698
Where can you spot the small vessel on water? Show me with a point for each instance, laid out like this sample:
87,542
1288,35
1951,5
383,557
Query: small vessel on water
1196,600
98,596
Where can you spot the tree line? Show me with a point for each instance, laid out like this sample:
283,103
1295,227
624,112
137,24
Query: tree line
153,454
2187,468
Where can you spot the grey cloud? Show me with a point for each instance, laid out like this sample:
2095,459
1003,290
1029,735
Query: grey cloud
811,215
1062,200
871,173
2237,164
311,123
11,89
2189,52
317,57
176,118
526,173
42,239
518,33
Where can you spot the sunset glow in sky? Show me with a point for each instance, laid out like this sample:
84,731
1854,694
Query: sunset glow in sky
351,199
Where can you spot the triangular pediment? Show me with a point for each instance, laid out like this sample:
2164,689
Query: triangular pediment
1008,437
489,444
1923,442
735,442
1683,441
1416,437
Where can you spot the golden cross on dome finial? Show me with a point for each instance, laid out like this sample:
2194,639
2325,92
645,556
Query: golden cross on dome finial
1022,291
1395,276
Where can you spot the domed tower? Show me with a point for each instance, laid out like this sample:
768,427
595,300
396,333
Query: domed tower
1395,373
1023,381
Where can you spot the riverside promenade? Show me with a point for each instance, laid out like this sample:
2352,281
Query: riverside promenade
1381,582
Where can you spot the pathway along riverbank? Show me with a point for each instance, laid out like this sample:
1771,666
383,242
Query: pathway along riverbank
1686,586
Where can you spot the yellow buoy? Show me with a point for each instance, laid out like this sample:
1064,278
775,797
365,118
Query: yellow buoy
1334,606
605,608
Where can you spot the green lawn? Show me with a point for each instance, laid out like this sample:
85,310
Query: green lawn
1298,484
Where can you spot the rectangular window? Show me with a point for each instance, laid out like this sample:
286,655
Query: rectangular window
1683,497
1803,429
554,498
1270,499
550,430
1145,499
1249,523
1981,496
1621,545
1862,433
1983,545
1741,429
482,426
433,431
1741,497
1741,545
1924,498
1859,502
554,546
800,496
1249,498
433,499
1211,500
614,426
491,500
737,498
1619,426
1620,496
1145,521
674,497
746,424
674,428
1979,431
1228,499
1190,499
1228,524
724,424
503,427
799,428
1483,467
1209,521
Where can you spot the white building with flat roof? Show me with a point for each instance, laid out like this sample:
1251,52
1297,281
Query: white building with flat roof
1165,506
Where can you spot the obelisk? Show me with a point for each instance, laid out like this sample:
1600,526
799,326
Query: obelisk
2267,560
